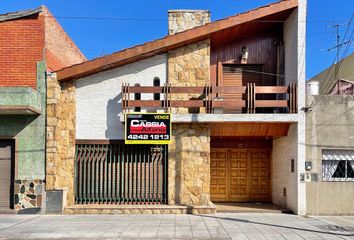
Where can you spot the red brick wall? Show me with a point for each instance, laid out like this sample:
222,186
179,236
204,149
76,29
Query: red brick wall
25,41
61,51
21,47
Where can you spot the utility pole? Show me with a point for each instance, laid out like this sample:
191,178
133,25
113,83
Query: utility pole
338,46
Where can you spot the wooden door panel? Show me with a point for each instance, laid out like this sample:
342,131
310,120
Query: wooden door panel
221,163
238,192
264,173
218,175
240,175
260,175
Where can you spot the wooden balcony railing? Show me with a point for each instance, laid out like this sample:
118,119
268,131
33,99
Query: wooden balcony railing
210,97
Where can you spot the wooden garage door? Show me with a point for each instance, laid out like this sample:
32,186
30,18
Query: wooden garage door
5,174
240,175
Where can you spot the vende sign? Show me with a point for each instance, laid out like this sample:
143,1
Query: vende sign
147,128
139,126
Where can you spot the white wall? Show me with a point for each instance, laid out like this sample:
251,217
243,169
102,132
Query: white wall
98,97
295,49
285,149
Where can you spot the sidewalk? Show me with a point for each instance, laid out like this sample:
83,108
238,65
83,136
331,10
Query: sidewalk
219,226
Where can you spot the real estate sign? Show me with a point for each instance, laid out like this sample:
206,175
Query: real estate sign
147,128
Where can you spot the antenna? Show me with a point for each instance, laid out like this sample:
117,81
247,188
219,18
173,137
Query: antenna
338,46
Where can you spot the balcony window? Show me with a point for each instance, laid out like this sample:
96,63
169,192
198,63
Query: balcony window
137,96
156,84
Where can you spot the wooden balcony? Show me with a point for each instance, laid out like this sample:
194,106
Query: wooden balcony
245,99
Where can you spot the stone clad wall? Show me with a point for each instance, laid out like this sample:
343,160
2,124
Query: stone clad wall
181,20
28,195
189,66
189,152
189,165
61,107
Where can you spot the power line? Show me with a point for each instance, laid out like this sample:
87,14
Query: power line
316,99
270,74
344,53
336,59
107,18
166,20
338,46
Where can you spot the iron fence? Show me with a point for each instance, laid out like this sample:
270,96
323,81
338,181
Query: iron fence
119,173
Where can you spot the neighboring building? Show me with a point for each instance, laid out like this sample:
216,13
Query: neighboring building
232,142
31,43
330,141
338,79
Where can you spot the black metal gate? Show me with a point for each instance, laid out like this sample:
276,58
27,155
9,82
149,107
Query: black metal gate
119,173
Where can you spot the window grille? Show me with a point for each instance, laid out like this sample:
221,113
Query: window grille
337,165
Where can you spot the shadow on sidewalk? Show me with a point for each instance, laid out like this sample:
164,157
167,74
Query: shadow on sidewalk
281,226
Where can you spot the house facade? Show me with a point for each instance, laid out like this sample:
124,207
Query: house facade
31,43
329,141
234,88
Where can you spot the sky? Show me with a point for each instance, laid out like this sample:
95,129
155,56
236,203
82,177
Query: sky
137,21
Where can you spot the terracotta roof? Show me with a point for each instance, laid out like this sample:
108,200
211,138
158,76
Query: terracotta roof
170,42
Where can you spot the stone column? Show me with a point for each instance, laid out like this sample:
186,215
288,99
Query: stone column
61,110
189,165
189,152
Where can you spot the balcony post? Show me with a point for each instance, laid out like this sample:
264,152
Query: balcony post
251,96
123,98
292,98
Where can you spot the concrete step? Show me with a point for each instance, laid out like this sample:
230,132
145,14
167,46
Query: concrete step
137,209
248,208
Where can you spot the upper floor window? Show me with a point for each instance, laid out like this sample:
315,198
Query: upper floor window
137,96
156,84
337,165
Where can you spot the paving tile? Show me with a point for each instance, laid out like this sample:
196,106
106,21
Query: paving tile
219,226
238,236
184,234
292,236
255,236
127,234
163,234
274,237
201,235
